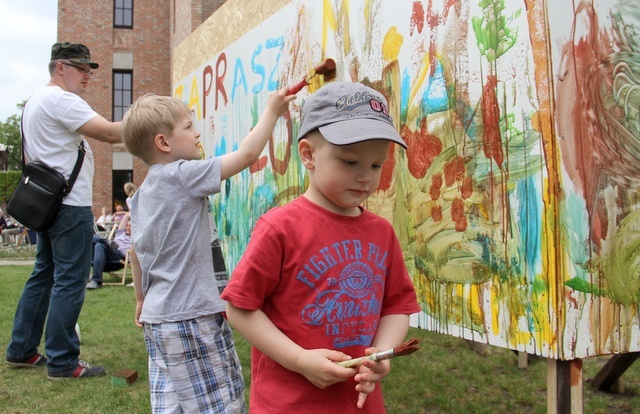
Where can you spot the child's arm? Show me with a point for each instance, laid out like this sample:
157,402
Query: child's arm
252,145
392,330
316,365
136,270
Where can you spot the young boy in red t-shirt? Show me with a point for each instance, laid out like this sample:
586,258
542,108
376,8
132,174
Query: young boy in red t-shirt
323,279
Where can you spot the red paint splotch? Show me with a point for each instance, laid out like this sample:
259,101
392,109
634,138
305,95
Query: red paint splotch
259,165
436,213
457,214
466,189
423,148
417,18
436,184
454,171
387,170
491,141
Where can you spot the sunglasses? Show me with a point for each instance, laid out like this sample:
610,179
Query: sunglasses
80,68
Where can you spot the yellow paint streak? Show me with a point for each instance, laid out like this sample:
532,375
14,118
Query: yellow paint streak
552,256
334,22
477,315
422,75
545,332
523,337
179,91
368,19
495,309
329,22
194,98
391,44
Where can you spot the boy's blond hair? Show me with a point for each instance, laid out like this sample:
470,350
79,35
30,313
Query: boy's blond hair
149,116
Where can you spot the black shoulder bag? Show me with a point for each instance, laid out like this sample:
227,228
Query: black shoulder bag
40,191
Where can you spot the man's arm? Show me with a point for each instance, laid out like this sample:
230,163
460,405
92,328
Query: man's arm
102,130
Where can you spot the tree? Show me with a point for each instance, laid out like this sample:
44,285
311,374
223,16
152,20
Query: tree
11,140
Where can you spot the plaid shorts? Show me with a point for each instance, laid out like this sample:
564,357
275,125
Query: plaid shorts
194,367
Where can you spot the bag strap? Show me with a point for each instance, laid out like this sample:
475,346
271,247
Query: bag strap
76,168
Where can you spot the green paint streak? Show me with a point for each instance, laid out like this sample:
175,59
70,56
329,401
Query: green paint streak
582,285
621,267
493,32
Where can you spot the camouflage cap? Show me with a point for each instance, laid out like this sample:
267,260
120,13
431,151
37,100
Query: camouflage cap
74,52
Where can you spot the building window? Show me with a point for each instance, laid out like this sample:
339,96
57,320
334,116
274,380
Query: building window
123,13
122,93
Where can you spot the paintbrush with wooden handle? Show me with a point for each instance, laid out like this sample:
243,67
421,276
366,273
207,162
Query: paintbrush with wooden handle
327,68
406,348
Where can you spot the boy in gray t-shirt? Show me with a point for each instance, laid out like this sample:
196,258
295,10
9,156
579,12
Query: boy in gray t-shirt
192,361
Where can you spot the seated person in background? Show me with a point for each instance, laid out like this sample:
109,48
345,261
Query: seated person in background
3,222
106,258
119,213
13,228
103,219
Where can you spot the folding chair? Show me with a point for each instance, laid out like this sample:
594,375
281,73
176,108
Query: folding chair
118,270
102,233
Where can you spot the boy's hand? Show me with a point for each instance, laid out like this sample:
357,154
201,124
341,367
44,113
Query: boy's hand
138,312
369,373
278,102
320,368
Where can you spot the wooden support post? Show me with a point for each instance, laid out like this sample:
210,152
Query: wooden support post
523,360
564,387
608,378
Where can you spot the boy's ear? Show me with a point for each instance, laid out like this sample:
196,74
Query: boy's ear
161,143
305,149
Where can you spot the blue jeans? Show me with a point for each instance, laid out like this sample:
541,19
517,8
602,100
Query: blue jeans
105,259
55,291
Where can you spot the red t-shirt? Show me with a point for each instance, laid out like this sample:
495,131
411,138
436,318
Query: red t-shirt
324,280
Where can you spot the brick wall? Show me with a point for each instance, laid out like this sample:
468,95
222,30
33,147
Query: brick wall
91,23
157,27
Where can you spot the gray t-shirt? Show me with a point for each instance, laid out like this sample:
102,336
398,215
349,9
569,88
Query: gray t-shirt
172,238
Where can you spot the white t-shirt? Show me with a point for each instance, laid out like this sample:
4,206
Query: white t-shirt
51,118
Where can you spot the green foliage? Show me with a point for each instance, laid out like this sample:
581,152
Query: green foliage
445,376
8,182
10,137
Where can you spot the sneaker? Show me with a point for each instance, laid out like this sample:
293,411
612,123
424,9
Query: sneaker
38,360
94,285
82,370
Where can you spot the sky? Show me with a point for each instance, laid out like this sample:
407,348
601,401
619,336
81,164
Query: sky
28,28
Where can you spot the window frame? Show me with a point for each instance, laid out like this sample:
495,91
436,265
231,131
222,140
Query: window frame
118,103
123,10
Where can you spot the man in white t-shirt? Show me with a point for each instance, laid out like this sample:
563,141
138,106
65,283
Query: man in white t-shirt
55,122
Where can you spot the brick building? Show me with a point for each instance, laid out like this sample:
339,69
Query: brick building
132,40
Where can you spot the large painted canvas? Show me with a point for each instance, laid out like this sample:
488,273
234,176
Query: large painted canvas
516,200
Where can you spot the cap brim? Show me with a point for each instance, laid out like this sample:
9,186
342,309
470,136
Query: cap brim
353,131
91,63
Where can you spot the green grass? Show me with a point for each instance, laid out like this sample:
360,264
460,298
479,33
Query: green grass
445,376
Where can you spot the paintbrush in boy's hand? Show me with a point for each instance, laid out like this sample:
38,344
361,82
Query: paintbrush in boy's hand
406,348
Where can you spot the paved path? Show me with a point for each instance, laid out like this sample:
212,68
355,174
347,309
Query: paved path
9,262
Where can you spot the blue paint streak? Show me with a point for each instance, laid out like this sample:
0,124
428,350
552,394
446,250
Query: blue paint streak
435,98
529,223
